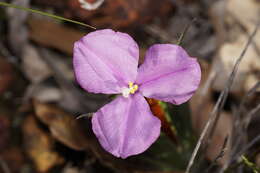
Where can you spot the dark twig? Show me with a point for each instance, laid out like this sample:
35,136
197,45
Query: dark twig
250,93
245,30
160,33
220,155
241,123
220,102
224,93
240,130
249,145
254,111
187,27
245,120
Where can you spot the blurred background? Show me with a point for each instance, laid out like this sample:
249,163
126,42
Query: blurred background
40,100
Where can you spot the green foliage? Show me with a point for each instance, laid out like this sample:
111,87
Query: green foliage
164,155
250,165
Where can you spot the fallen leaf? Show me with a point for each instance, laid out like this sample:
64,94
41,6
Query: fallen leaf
45,93
247,12
202,105
240,20
42,32
228,55
63,126
33,65
17,31
39,146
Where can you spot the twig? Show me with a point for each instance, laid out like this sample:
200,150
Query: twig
220,102
249,93
239,134
245,30
249,145
241,123
230,80
220,155
211,78
187,27
254,111
158,32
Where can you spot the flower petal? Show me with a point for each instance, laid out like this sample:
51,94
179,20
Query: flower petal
168,74
126,126
105,61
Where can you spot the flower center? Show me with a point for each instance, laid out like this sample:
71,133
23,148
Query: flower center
132,88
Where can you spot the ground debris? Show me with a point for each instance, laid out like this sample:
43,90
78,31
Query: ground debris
39,146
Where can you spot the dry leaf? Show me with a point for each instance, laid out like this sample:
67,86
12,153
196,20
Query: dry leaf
33,65
45,93
241,17
42,32
39,146
228,55
247,12
63,126
222,130
17,31
202,106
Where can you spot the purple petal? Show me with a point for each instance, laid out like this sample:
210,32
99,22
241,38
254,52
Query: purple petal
168,74
104,61
126,126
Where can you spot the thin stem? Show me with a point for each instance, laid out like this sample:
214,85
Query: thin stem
220,155
187,27
45,14
220,102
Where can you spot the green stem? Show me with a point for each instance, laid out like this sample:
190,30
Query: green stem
45,14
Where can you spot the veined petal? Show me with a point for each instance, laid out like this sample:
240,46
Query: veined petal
126,126
105,61
168,74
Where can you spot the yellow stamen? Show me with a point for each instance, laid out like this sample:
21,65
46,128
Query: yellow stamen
133,88
130,84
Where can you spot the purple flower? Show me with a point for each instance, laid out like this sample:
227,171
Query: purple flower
107,62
